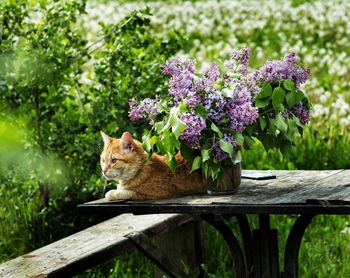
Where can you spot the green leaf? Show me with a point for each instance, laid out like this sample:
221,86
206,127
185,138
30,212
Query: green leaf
248,142
186,152
266,90
173,113
299,96
278,96
268,142
171,162
224,120
262,122
214,171
238,157
177,126
205,155
171,144
216,129
227,147
160,146
146,142
292,128
196,164
280,123
159,126
239,139
261,103
291,99
200,110
183,108
289,85
228,92
205,169
153,141
272,129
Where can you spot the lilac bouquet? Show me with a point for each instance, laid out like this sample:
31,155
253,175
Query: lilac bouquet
210,115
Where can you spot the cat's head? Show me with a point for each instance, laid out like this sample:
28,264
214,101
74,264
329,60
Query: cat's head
121,159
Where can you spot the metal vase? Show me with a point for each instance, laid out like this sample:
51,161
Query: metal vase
230,182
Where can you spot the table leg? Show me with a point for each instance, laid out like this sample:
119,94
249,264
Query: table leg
260,257
265,244
293,245
232,242
246,234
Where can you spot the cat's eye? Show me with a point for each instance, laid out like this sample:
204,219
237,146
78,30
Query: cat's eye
114,160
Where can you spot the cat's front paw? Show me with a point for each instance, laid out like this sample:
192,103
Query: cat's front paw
114,195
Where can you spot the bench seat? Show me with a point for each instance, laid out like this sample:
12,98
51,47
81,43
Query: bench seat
89,247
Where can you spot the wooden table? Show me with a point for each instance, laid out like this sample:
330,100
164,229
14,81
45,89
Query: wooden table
304,193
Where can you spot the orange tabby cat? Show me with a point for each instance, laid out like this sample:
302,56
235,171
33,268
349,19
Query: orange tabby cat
125,160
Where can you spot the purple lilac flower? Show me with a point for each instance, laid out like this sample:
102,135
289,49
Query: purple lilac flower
194,126
184,84
172,67
147,108
287,68
211,75
241,56
180,85
220,155
190,66
192,99
241,114
249,83
215,104
301,75
238,112
301,111
239,61
292,58
227,79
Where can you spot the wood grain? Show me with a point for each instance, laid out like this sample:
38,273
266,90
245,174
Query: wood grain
289,187
89,247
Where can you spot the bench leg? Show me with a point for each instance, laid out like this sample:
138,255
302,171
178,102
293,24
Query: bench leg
184,246
178,253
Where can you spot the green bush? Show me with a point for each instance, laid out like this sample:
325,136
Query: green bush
42,92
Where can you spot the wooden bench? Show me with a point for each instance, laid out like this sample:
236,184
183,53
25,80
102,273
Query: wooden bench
168,239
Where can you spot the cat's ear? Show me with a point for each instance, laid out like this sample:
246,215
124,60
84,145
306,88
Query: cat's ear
106,138
127,141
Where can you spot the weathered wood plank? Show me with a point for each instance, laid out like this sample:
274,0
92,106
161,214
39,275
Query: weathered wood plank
261,191
89,247
310,188
333,188
296,189
291,188
207,199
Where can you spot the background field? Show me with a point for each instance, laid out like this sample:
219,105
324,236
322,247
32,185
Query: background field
56,95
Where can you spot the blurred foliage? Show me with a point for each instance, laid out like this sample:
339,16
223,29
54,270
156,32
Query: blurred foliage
316,150
42,56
